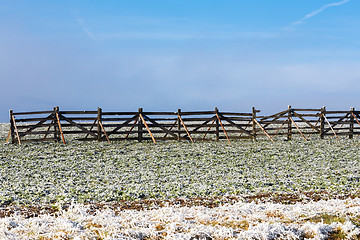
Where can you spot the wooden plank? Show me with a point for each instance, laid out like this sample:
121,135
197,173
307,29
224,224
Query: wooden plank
77,112
205,140
76,125
81,118
355,118
198,113
274,115
338,112
238,118
33,119
121,125
160,113
268,129
92,126
336,117
236,114
164,119
197,132
104,131
236,125
132,127
274,121
151,135
39,124
159,126
334,123
199,126
237,137
253,124
309,115
182,122
17,133
8,137
12,128
32,113
140,127
63,125
62,135
27,126
243,125
345,122
289,127
109,125
48,129
331,128
117,119
261,133
74,132
197,119
98,120
208,130
41,132
178,125
124,132
298,129
338,129
171,127
267,123
56,110
322,122
253,131
306,121
338,134
263,130
118,113
307,110
217,115
277,130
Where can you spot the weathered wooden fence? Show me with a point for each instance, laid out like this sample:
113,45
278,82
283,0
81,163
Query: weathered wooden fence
193,126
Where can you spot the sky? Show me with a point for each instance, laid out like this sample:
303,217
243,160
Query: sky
190,54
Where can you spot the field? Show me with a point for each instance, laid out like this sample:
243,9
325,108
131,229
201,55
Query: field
214,190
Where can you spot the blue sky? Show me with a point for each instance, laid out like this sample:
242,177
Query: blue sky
165,55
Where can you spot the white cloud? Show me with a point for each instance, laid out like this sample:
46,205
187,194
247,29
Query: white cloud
85,28
316,12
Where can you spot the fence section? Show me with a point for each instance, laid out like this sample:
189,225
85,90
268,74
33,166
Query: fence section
56,125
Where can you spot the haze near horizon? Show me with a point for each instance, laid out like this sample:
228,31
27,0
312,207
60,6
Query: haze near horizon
165,55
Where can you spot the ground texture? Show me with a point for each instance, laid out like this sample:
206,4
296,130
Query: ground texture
126,190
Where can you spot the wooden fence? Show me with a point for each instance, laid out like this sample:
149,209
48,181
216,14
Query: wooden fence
193,126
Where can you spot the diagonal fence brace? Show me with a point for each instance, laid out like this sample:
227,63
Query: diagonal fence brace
263,130
147,127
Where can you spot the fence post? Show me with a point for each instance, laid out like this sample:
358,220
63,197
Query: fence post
322,122
289,134
98,118
217,125
12,127
140,126
351,135
56,128
178,124
254,123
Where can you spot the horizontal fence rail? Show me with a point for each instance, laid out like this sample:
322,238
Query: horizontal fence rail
190,126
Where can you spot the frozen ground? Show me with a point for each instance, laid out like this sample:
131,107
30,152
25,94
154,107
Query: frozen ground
53,174
331,219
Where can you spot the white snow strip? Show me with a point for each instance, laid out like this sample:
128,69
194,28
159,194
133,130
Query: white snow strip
238,221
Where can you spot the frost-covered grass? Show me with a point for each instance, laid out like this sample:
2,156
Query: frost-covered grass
52,174
93,172
332,219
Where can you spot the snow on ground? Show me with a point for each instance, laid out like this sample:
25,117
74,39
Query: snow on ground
313,220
